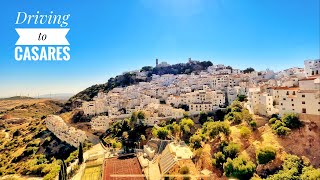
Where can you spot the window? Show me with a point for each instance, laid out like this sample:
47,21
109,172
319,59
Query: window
292,104
291,99
304,110
293,93
303,102
303,95
284,99
287,92
281,104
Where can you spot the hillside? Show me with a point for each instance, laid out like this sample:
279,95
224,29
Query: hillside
26,146
16,98
130,78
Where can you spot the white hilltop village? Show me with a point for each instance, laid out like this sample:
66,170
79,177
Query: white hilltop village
294,90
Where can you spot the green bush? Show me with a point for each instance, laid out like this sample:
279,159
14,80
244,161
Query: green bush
234,117
239,168
291,168
195,141
265,155
272,120
231,150
277,124
203,117
212,129
282,131
310,173
245,132
291,120
219,159
253,124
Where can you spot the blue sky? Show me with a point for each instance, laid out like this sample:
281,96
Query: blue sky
109,37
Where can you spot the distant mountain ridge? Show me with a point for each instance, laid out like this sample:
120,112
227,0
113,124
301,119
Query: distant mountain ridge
17,98
58,96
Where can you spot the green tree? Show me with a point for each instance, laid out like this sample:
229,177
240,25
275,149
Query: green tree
245,132
242,98
291,120
195,141
162,132
310,173
63,171
273,120
248,70
212,129
176,129
291,169
282,131
234,117
253,124
265,155
186,124
231,150
141,115
203,117
219,159
239,168
80,154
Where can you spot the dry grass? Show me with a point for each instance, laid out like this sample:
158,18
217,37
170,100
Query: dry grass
9,104
92,173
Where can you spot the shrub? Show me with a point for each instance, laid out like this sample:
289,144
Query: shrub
282,131
253,124
246,116
203,117
212,129
291,120
219,159
272,120
242,98
239,168
310,173
195,141
265,155
231,150
245,132
234,117
277,124
291,168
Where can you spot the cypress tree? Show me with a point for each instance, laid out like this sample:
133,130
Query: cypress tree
63,171
80,154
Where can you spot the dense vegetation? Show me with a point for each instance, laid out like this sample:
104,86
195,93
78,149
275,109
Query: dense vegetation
294,167
282,126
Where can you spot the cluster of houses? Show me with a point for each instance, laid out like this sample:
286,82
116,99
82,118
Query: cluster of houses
60,129
169,96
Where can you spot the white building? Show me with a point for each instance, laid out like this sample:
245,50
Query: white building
100,123
312,67
304,99
59,128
